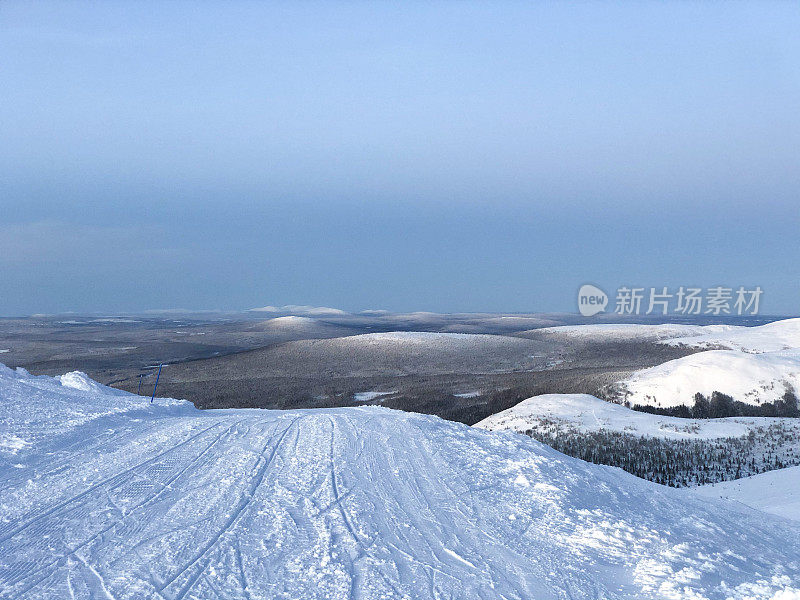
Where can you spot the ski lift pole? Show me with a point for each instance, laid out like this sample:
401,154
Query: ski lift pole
156,385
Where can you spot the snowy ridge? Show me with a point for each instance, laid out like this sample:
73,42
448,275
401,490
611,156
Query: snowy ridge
585,413
428,338
772,337
749,378
607,332
133,501
779,335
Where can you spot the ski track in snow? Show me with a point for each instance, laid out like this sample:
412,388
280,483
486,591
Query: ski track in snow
172,503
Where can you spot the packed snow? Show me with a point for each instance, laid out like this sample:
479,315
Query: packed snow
112,497
586,414
749,378
776,492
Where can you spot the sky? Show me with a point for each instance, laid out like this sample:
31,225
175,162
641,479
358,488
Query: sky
442,156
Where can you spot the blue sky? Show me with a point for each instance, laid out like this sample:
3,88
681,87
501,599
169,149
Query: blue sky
409,156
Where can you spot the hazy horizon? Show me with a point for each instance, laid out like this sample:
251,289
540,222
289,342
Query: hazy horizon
451,157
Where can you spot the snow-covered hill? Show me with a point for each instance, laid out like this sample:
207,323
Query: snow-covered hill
106,496
776,492
388,354
586,414
749,378
619,332
669,450
772,337
758,364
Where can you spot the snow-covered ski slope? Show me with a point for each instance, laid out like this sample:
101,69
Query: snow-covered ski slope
774,492
106,496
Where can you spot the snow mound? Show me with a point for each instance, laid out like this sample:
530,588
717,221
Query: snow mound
585,413
776,492
772,337
34,408
78,380
749,378
290,322
361,502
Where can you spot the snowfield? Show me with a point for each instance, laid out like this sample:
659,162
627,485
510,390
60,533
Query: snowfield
749,378
112,497
587,414
776,492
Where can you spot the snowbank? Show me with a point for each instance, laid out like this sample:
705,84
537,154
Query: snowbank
34,408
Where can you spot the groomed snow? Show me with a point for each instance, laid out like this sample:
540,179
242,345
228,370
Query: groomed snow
749,378
585,413
112,497
776,492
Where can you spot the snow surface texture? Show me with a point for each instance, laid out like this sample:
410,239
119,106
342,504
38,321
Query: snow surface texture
111,497
776,492
585,413
749,378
